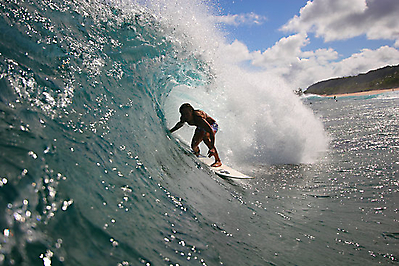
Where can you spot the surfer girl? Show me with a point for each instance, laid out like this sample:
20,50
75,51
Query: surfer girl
205,131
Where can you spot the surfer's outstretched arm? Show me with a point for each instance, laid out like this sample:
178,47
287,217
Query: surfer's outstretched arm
177,126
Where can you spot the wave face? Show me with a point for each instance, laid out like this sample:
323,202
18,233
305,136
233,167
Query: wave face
89,173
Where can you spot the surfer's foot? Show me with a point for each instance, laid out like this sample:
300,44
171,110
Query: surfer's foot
197,153
216,164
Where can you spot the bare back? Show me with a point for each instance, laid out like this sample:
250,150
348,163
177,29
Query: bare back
199,114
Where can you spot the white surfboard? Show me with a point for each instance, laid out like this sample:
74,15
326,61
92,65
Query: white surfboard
223,171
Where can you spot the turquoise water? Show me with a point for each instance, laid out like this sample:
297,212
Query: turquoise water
89,174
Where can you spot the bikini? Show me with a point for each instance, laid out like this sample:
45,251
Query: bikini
214,126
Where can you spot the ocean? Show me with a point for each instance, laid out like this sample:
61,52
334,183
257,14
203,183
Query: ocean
90,174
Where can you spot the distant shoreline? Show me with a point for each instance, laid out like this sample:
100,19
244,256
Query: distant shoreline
361,93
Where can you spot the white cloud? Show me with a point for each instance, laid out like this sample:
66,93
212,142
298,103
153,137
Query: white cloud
237,52
331,20
343,19
285,52
303,68
367,59
241,19
321,65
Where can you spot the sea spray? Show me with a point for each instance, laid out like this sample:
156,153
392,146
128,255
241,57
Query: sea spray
260,119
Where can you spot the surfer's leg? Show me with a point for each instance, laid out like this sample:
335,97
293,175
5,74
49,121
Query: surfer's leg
207,142
197,138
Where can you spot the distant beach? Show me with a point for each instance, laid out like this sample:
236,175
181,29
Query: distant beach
362,93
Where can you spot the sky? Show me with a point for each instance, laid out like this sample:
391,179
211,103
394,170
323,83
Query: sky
309,41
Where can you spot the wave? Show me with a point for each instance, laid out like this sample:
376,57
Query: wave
88,91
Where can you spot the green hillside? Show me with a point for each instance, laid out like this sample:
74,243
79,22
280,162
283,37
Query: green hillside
383,78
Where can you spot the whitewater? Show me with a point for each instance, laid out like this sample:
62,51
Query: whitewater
90,174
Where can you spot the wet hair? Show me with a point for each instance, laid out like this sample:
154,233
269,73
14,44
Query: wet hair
186,105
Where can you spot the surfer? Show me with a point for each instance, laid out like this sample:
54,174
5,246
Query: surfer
205,131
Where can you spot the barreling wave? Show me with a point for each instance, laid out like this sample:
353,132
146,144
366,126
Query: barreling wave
89,174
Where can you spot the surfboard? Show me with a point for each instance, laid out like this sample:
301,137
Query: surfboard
223,171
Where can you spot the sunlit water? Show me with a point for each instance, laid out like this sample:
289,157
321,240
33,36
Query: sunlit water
342,210
89,174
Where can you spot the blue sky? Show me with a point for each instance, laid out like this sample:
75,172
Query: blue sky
308,41
274,13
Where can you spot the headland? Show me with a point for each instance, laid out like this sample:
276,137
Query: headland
373,82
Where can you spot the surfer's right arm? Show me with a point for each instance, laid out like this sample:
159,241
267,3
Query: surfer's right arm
177,126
